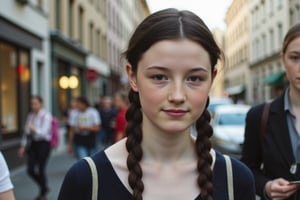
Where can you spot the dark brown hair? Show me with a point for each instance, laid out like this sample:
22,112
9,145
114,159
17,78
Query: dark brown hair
292,33
168,24
37,97
83,100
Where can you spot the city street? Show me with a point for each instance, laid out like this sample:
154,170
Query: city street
26,189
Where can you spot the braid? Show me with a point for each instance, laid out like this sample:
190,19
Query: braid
133,145
203,146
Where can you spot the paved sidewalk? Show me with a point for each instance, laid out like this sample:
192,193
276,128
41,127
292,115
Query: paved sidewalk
26,189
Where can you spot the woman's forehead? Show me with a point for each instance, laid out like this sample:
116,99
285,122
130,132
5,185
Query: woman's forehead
182,52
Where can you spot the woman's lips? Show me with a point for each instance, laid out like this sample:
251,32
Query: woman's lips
175,113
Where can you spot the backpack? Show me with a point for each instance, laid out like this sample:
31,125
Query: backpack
54,132
54,141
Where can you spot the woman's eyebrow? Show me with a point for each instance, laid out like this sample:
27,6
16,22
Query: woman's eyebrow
200,68
157,67
194,69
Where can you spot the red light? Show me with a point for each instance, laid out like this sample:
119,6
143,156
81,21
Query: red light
21,69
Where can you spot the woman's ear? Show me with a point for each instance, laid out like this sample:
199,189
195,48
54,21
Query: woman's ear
215,72
131,77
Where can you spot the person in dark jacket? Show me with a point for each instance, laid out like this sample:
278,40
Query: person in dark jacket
274,155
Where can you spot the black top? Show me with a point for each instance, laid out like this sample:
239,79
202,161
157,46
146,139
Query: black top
77,183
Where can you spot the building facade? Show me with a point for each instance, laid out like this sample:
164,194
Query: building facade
237,76
58,50
121,24
24,66
217,89
78,32
269,21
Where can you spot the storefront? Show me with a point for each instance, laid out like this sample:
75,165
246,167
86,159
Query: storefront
276,82
237,93
14,79
15,75
68,72
97,79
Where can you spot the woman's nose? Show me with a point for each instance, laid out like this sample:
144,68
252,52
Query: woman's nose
177,94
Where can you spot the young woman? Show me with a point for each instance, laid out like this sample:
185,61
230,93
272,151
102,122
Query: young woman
275,160
36,142
171,66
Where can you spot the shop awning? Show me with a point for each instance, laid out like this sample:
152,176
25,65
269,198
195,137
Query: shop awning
275,79
236,89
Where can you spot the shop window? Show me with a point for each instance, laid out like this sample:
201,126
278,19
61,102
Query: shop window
68,85
8,88
14,79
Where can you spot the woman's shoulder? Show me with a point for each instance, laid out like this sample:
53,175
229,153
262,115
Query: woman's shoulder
77,182
243,180
82,166
241,173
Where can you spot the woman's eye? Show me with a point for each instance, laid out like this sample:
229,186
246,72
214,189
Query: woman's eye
159,77
194,79
295,57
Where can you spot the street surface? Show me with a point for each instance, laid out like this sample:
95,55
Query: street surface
26,189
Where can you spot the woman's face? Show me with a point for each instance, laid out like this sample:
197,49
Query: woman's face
118,101
35,104
173,81
291,61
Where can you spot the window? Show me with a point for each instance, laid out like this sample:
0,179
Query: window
271,41
91,37
8,89
40,4
280,4
98,43
271,7
40,78
15,82
80,25
291,17
280,34
71,3
58,15
264,43
298,12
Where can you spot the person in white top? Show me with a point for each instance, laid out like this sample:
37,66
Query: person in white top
85,124
6,187
36,143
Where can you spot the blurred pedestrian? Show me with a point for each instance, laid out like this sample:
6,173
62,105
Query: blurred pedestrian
85,124
108,122
67,115
121,103
171,67
6,187
36,142
272,143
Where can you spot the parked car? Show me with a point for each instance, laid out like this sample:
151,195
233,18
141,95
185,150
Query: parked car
229,126
217,101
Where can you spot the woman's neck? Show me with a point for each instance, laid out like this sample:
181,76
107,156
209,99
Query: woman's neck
35,112
165,147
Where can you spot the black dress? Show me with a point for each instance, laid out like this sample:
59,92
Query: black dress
77,184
